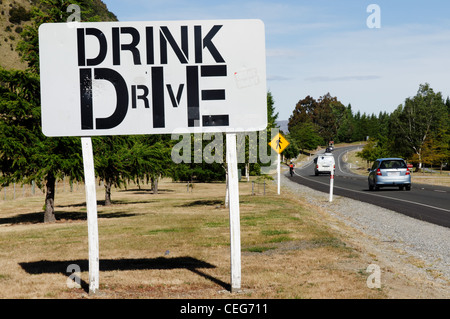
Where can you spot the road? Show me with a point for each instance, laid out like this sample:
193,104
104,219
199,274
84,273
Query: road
429,203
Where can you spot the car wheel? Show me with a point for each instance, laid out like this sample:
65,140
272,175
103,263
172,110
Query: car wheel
408,187
400,187
377,188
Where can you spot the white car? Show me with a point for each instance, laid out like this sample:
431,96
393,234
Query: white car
324,164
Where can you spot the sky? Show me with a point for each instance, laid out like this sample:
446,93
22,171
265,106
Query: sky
371,58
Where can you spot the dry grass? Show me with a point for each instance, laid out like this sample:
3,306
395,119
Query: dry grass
176,245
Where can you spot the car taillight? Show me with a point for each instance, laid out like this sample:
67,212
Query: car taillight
317,166
407,172
379,172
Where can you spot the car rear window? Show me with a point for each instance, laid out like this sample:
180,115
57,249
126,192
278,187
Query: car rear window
393,164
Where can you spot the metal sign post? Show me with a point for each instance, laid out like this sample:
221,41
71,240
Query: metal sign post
233,193
91,205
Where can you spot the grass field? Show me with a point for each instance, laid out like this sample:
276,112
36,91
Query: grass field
175,244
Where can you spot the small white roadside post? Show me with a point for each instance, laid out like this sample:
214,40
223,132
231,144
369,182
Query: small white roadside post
331,184
91,205
278,171
233,195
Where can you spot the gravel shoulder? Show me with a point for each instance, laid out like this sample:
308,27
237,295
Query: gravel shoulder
414,256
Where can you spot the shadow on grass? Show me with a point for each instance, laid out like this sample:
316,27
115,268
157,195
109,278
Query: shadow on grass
160,263
37,218
114,202
144,191
203,203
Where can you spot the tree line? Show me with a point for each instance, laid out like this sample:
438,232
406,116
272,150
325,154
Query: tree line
27,156
417,130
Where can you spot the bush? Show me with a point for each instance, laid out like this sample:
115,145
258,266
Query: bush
19,14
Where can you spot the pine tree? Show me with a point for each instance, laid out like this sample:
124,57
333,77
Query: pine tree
26,155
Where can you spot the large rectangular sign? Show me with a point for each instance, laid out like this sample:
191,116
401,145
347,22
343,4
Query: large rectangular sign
123,78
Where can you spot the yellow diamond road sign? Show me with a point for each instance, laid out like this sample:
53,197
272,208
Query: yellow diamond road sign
279,143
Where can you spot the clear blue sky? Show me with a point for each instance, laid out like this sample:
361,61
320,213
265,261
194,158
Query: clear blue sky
321,46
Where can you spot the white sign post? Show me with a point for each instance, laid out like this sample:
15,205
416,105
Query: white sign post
279,172
128,78
91,205
233,193
331,184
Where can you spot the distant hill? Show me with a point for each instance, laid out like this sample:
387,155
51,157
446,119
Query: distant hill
15,14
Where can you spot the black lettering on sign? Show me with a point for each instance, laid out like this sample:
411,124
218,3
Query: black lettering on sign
216,120
166,36
117,46
143,97
175,101
213,70
150,45
206,42
125,44
87,117
214,95
158,96
82,61
209,95
122,98
87,103
193,99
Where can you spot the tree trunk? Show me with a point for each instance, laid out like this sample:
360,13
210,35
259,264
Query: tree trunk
107,193
420,160
49,214
155,185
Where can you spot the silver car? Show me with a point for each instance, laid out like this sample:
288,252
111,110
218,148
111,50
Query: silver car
389,172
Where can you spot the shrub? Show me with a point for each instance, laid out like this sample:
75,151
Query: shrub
19,14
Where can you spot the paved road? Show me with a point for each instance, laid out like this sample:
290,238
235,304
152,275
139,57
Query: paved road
425,202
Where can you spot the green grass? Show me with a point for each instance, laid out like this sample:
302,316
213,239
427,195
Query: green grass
274,232
258,249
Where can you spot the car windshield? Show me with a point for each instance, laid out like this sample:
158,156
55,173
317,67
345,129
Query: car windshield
393,164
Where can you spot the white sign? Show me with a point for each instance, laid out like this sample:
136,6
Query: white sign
123,78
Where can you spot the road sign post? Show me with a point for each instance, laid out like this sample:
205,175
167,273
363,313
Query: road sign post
279,173
278,144
91,205
233,194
